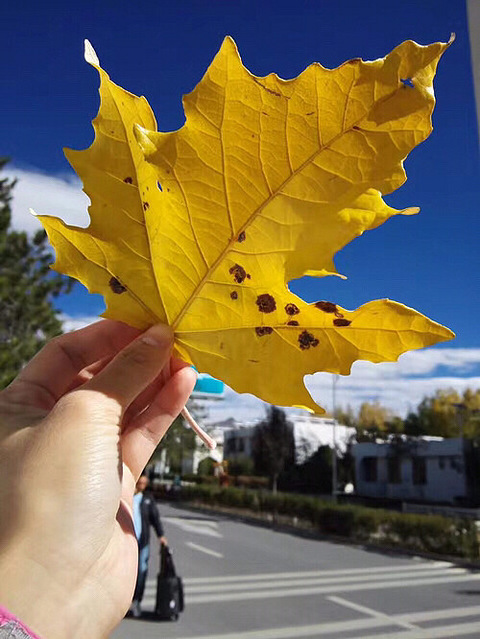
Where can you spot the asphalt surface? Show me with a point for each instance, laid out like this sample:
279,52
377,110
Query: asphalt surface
248,582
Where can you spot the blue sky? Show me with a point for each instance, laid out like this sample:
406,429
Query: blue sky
161,50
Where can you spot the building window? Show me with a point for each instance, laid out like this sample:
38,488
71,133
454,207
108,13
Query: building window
419,470
394,472
241,445
369,467
230,445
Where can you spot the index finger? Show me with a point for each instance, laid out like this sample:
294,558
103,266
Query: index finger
51,372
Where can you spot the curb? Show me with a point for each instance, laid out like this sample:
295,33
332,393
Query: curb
232,514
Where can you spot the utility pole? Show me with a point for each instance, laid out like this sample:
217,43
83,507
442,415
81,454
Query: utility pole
334,433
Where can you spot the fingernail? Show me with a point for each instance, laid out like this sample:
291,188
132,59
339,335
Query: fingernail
158,335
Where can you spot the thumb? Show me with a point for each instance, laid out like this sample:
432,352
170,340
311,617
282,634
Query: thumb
135,367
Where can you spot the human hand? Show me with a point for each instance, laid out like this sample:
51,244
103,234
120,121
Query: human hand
77,427
163,540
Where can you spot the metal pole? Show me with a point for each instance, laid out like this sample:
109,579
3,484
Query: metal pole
334,451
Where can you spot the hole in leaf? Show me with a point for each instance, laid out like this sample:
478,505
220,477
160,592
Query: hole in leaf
407,82
159,186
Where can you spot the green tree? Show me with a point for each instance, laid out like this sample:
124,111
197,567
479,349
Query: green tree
27,289
178,442
373,420
446,414
273,445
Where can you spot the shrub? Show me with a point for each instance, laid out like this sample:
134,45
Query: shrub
427,533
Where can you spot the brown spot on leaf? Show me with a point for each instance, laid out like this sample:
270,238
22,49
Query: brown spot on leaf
310,113
242,237
341,322
327,307
263,330
292,309
266,303
254,361
128,180
116,286
238,272
146,206
234,295
306,340
292,323
356,128
264,113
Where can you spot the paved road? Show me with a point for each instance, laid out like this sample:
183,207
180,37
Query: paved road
248,582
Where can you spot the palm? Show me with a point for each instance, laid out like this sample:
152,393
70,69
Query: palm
74,458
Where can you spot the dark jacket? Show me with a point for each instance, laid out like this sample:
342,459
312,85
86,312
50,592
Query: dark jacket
150,517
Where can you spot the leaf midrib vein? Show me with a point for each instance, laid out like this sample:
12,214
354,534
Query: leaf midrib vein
258,211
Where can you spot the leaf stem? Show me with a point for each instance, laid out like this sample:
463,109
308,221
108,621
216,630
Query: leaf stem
206,439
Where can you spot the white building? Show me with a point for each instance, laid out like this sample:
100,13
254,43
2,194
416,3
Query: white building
432,470
309,434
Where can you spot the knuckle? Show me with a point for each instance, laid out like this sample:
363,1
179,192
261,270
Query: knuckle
138,356
88,406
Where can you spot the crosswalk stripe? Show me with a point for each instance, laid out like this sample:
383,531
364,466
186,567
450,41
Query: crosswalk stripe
317,590
282,580
197,526
248,591
431,565
309,581
443,632
359,625
207,551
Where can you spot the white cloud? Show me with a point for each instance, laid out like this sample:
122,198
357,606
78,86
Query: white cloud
399,386
46,195
74,323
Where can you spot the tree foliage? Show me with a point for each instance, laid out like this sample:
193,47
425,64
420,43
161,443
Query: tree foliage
27,289
273,444
178,442
446,414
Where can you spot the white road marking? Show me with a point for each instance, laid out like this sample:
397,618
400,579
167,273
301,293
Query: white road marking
197,526
371,612
443,632
431,565
435,615
359,625
203,549
319,590
317,581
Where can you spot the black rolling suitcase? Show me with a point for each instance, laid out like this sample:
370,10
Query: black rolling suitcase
170,601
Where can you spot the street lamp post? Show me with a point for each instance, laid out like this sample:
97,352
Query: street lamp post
334,433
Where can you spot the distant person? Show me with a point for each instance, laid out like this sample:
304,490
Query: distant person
145,514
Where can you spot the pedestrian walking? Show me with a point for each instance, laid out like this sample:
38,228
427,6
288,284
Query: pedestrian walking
145,515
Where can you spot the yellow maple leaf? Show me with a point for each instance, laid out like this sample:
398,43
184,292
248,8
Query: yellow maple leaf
204,227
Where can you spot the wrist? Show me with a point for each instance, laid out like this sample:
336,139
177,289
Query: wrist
28,592
11,624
